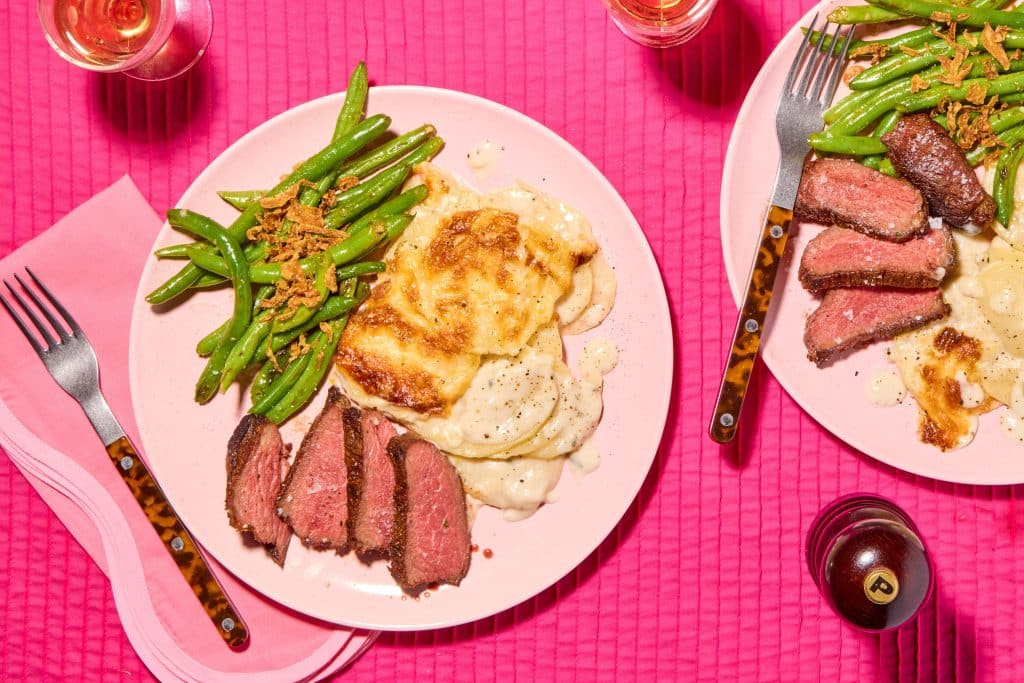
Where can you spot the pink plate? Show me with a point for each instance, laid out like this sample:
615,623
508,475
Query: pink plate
835,396
185,443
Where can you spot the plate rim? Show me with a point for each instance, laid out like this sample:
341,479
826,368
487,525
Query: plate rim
664,317
733,156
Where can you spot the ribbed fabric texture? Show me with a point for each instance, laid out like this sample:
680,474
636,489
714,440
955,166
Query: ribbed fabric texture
704,579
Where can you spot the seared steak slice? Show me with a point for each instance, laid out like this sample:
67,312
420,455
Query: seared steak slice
371,480
430,541
850,318
844,192
256,461
838,257
922,151
314,500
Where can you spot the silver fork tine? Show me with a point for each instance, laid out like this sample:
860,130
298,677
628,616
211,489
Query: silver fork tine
815,63
799,56
53,300
57,326
833,82
43,330
21,325
830,62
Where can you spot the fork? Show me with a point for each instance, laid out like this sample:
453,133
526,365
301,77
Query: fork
71,360
808,90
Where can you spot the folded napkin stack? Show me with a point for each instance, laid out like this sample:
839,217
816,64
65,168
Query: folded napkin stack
92,260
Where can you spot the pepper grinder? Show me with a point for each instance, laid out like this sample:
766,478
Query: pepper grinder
869,562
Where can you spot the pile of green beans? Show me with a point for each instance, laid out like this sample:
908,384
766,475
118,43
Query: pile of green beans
881,94
355,180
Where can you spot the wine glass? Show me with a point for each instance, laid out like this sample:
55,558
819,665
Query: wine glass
151,40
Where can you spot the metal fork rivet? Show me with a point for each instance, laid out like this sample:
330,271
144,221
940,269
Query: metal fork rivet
228,624
177,544
726,420
750,325
776,231
126,463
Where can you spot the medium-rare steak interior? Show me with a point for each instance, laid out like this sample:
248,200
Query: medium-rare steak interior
255,462
314,499
838,257
844,192
371,480
430,542
848,319
923,153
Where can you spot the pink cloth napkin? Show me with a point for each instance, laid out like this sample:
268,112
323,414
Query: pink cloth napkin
92,260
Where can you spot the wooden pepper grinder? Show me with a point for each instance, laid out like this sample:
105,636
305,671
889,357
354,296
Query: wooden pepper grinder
869,562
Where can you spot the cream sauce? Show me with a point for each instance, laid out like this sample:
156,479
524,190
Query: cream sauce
483,158
886,388
584,460
599,357
518,486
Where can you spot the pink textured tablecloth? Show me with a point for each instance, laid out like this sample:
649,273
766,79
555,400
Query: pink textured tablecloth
704,578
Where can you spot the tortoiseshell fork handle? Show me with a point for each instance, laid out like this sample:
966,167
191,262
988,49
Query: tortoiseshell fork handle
747,337
178,542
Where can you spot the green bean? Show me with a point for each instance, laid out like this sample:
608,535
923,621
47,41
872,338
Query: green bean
862,14
851,13
302,314
964,16
355,102
355,201
1007,138
1013,82
826,43
1006,180
893,96
386,153
240,199
332,308
320,359
886,124
208,344
847,144
904,64
359,168
267,373
245,348
204,228
280,386
354,246
358,199
314,168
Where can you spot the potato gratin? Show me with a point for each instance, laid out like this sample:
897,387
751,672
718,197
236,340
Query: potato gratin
460,340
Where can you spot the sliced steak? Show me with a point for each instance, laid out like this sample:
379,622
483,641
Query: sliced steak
851,318
844,192
314,500
430,541
838,257
256,461
371,481
923,153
